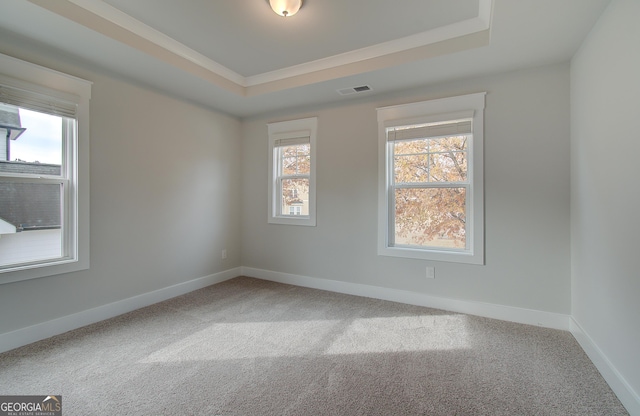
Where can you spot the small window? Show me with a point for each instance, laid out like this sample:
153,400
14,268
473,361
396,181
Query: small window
295,210
292,172
431,180
43,212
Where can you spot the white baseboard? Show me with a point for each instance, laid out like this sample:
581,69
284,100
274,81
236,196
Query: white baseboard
24,336
629,398
505,313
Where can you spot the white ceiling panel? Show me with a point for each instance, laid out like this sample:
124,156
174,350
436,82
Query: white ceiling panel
248,38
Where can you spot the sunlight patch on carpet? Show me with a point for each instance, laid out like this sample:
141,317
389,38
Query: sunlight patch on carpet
233,341
237,341
402,334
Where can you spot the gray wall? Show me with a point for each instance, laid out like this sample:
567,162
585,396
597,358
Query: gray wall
605,194
167,197
526,198
164,201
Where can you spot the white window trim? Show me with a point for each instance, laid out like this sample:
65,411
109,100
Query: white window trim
24,75
429,112
306,127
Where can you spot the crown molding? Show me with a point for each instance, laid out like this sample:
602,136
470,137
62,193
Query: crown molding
116,16
117,25
452,31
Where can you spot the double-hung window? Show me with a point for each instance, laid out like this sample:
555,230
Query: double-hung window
43,153
430,200
292,172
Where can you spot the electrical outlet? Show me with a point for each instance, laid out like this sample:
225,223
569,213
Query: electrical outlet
431,272
224,254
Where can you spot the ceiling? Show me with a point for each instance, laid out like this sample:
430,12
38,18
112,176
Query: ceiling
240,58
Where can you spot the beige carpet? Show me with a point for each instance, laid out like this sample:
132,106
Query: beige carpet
251,347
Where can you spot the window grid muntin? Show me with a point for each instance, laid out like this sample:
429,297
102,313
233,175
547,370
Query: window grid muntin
299,157
466,138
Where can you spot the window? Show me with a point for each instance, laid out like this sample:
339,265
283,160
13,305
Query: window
292,172
295,210
43,172
431,180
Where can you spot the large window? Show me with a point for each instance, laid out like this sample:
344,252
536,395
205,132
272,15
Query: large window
43,153
292,172
431,180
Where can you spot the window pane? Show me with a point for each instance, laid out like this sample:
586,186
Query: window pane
30,142
295,210
408,147
411,168
296,160
295,193
430,160
448,167
430,218
448,144
30,222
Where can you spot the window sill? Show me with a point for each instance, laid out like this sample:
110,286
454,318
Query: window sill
36,271
301,220
465,257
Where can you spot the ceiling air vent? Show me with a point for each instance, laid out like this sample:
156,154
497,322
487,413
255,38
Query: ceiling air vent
354,90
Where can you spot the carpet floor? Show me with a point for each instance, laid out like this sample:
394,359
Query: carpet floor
252,347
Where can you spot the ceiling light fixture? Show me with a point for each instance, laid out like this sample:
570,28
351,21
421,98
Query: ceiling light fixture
285,8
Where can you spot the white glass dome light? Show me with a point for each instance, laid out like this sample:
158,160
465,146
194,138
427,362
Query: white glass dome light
285,8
